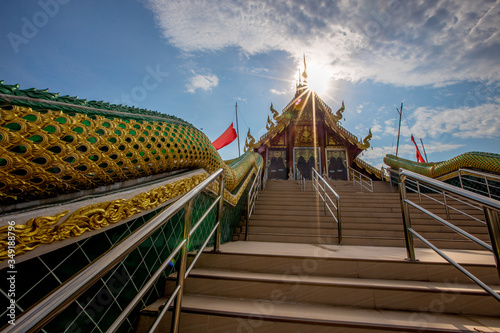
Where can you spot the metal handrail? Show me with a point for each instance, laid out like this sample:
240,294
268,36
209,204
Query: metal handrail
486,177
491,209
35,318
447,206
301,179
253,193
321,187
264,179
363,181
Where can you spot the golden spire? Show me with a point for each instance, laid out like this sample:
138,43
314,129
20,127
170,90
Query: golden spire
304,74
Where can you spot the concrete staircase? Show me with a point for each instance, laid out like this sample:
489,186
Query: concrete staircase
283,213
292,277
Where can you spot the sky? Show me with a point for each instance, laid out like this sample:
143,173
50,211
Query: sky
196,59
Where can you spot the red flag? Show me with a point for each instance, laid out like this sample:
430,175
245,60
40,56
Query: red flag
226,138
419,157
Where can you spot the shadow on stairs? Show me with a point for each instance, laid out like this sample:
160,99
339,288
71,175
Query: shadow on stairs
291,275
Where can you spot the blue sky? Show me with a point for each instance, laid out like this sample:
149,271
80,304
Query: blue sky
196,59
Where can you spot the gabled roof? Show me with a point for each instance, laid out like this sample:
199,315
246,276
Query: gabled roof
368,168
304,101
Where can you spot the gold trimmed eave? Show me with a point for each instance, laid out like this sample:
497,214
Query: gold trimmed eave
284,119
370,169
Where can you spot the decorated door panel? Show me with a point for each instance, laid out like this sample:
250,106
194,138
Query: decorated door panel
305,159
276,163
336,164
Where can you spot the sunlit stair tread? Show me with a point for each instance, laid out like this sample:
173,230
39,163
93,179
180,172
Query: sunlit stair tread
332,315
359,252
432,287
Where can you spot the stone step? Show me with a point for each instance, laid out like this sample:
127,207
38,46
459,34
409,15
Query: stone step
363,223
218,314
375,213
359,240
382,294
359,232
365,262
371,223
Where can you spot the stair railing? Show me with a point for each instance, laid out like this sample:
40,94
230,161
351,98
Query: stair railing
487,177
301,179
36,317
253,193
362,180
325,192
490,207
264,179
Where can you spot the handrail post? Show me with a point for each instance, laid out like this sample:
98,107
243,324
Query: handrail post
493,223
487,186
324,193
176,315
446,206
419,194
219,214
410,248
247,217
460,177
339,224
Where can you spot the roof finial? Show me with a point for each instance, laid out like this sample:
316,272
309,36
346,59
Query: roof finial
300,80
304,74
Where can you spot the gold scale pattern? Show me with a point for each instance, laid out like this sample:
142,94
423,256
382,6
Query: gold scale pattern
46,152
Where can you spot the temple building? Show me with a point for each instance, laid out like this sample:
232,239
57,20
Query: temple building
308,134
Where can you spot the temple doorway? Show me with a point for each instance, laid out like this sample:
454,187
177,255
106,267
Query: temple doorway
276,164
304,159
336,164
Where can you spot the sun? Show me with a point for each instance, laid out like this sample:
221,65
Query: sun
318,79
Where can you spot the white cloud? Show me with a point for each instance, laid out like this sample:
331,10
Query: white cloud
407,43
253,70
278,92
376,128
203,82
360,108
482,121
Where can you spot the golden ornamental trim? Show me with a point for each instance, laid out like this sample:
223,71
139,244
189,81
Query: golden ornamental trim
365,144
47,229
275,113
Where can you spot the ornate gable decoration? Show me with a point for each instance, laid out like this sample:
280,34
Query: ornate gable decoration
303,103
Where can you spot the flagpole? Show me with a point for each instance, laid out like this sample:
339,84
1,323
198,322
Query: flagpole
237,129
423,148
399,127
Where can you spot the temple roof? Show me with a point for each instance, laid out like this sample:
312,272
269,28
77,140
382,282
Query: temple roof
300,108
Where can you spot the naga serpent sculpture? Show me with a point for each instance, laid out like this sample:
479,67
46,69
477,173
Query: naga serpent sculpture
51,145
488,162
